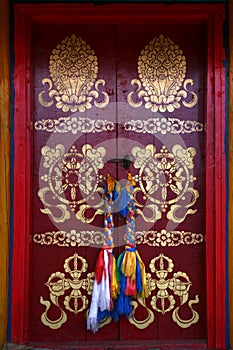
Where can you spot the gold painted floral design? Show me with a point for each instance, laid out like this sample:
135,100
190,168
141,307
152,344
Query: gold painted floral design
74,238
73,83
74,124
162,85
164,126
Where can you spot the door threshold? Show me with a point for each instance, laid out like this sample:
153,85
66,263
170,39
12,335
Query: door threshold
119,345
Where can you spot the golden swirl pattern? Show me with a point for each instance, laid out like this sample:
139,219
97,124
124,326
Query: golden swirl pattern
70,182
69,288
73,124
70,179
73,83
151,238
165,180
166,238
73,67
164,126
167,290
161,85
72,238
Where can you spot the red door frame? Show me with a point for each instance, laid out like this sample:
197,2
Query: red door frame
212,15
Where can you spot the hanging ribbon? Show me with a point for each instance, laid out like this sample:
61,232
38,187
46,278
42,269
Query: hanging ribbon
105,289
131,272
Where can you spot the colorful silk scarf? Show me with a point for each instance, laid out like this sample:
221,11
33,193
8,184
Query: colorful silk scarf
115,285
131,273
105,289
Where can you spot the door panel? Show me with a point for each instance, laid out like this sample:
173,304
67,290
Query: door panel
78,141
142,127
58,233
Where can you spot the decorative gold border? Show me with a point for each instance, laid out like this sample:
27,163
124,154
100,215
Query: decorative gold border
74,124
164,126
151,238
165,238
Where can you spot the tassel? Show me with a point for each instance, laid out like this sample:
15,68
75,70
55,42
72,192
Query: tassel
124,302
105,289
100,294
100,267
131,272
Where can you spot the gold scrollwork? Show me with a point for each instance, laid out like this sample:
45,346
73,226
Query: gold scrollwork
179,284
74,124
73,68
72,238
58,285
186,323
165,180
142,323
75,238
165,238
161,85
72,178
164,126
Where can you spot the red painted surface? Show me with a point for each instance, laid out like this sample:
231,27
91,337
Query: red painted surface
22,180
215,189
45,15
189,259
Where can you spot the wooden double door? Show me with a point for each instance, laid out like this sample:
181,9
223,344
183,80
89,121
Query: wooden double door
113,98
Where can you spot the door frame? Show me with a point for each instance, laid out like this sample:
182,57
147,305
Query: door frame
212,15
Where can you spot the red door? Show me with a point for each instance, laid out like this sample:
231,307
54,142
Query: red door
164,129
104,94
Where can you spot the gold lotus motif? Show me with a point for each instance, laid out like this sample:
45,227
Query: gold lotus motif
160,74
161,83
73,68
